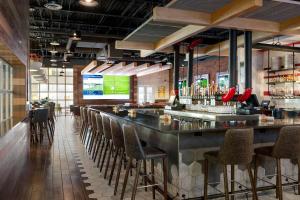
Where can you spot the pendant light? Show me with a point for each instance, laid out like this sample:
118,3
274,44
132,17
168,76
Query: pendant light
76,36
89,3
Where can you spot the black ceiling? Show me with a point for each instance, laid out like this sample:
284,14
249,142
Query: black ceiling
111,19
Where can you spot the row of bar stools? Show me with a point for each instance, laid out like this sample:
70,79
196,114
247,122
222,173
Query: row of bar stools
287,146
236,150
134,150
105,137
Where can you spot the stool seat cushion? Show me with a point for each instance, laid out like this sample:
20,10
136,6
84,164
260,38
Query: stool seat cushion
151,153
266,151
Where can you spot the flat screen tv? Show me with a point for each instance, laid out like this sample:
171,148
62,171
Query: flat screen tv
105,87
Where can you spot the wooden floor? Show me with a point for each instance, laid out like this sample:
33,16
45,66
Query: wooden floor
46,172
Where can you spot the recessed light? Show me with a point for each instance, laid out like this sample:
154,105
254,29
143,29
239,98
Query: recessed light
54,65
53,60
54,43
89,3
33,70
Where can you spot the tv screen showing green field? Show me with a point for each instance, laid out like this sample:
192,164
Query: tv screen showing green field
105,87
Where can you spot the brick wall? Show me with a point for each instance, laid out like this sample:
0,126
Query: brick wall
210,66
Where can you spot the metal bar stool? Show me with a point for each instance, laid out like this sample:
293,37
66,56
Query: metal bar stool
108,143
118,142
85,124
93,133
82,122
236,150
134,150
89,130
99,142
287,146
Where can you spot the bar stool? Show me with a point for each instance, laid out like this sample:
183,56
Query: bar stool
134,150
108,143
236,150
85,124
100,139
40,119
93,133
287,146
82,124
118,142
90,127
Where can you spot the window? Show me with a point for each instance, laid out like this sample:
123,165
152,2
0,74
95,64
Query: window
6,94
145,95
59,89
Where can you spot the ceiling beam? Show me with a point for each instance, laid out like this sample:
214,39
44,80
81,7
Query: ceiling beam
206,20
127,68
174,38
234,9
89,67
101,68
114,68
131,45
179,16
292,24
171,15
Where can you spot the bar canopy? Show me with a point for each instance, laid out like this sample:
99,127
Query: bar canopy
181,19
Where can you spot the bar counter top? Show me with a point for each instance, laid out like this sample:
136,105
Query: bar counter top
189,125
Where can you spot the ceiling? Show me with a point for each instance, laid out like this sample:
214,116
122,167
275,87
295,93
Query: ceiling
110,20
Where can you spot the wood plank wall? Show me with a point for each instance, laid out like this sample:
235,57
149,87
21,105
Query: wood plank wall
14,23
19,92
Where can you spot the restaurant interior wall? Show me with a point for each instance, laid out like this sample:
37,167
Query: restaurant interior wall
154,87
58,89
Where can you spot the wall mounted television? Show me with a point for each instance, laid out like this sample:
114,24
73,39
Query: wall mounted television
105,86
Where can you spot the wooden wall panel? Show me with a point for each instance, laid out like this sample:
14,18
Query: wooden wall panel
19,92
14,27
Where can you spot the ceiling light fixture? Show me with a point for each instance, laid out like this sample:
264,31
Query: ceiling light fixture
89,3
54,43
52,5
53,60
76,36
53,51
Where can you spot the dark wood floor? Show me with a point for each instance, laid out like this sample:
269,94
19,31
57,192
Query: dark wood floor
42,172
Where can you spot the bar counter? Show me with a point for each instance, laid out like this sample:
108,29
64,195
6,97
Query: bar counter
186,139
